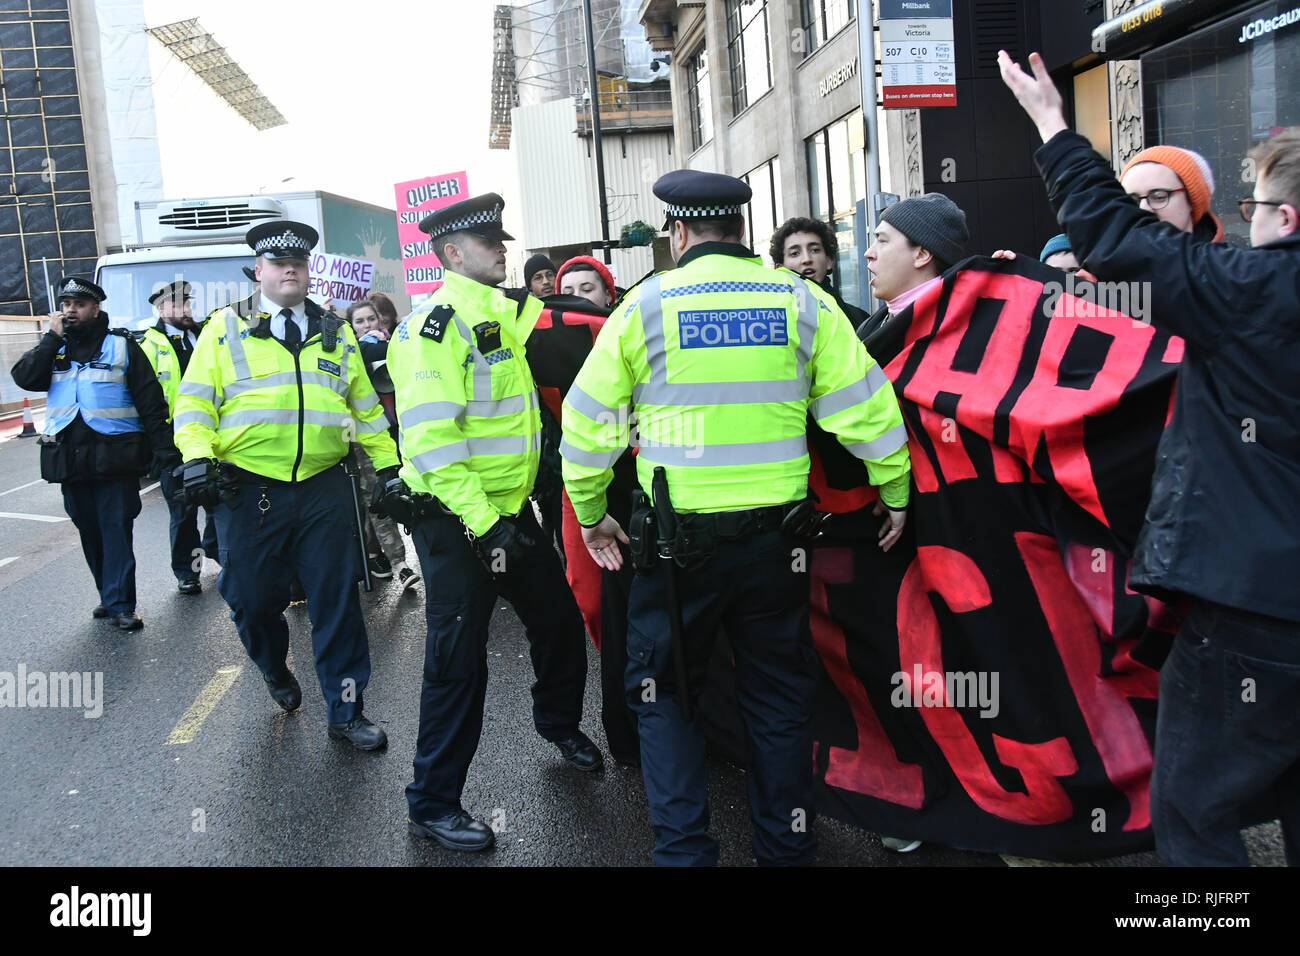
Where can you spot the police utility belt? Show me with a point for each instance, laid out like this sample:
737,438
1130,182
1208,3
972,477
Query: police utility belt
696,536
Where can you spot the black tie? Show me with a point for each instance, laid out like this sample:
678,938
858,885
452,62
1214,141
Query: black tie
292,334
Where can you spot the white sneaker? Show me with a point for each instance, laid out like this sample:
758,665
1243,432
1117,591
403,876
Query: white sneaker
407,578
900,844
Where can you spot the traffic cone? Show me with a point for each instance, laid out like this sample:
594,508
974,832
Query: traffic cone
29,427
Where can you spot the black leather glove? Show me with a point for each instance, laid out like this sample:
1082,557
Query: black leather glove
804,521
164,462
391,498
502,545
200,481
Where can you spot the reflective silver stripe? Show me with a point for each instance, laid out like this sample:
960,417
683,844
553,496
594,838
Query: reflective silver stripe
365,404
511,405
278,380
197,390
832,403
584,404
164,376
588,459
237,357
128,412
482,389
326,419
258,416
742,453
886,444
721,393
439,457
431,412
58,411
380,424
87,374
321,379
193,418
658,390
498,445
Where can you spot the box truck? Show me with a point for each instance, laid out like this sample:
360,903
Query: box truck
202,240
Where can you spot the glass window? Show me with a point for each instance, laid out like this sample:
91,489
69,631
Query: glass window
841,191
698,100
748,51
817,185
822,19
1221,89
765,211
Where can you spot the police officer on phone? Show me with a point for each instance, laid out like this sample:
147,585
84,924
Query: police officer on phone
723,360
105,426
273,395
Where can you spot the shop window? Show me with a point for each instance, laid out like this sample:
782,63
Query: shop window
822,19
837,191
748,52
698,100
1220,90
765,212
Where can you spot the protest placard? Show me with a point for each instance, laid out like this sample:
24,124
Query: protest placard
341,278
415,200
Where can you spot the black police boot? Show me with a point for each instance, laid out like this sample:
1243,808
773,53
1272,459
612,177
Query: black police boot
456,831
360,733
189,586
285,691
100,612
128,622
581,752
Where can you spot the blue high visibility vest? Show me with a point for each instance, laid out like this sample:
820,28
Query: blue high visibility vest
96,390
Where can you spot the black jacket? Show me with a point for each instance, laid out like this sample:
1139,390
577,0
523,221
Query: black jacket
1223,524
79,453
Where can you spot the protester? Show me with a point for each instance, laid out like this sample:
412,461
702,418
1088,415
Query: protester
1177,185
385,550
1058,254
1222,531
588,278
539,276
387,311
808,247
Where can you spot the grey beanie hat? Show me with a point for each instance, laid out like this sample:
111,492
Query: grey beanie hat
932,221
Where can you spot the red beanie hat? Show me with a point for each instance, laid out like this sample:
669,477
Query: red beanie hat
588,263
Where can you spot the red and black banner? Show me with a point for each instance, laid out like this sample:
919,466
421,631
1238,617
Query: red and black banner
991,681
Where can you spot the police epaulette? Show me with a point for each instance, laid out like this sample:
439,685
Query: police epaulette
125,333
137,334
436,322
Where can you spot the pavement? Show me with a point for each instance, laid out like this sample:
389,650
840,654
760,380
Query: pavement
191,763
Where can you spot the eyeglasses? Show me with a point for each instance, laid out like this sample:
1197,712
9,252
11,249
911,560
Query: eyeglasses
1247,206
1157,198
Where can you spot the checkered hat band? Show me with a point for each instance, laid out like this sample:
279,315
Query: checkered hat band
492,215
703,212
285,240
72,287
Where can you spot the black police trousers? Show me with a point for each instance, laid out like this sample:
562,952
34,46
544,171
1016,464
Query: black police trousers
757,589
460,596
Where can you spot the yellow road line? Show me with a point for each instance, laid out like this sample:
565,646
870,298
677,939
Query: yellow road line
189,724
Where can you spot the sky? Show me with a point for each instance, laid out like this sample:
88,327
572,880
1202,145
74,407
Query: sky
375,92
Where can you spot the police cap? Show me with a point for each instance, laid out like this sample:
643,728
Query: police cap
282,239
78,287
691,194
479,216
180,289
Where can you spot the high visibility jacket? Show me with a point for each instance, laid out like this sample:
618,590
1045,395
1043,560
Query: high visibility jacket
96,389
248,400
466,403
721,360
166,365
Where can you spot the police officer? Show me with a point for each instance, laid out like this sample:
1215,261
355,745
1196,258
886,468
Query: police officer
168,345
468,411
105,425
275,391
723,360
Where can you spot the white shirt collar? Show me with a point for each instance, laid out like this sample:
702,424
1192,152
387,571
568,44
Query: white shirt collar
172,332
277,320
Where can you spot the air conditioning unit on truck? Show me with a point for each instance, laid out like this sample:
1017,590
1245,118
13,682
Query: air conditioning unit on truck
202,241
